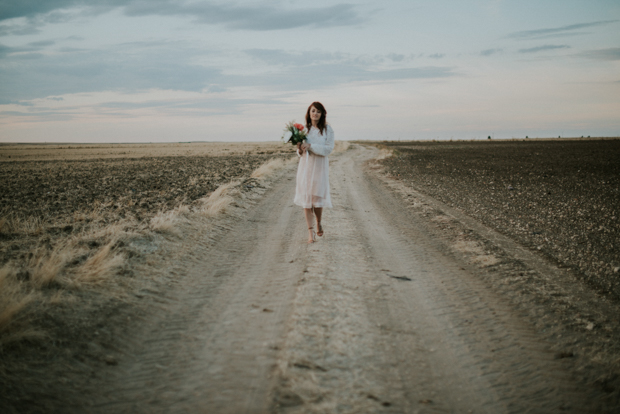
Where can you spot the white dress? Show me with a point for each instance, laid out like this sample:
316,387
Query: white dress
313,171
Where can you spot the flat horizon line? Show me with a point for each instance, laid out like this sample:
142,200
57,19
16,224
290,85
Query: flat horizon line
353,140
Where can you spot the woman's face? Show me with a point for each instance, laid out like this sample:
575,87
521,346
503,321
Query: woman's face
315,114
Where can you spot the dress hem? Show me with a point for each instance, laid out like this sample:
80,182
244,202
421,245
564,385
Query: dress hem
315,206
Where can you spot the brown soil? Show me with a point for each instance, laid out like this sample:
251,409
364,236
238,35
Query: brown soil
72,192
59,152
558,197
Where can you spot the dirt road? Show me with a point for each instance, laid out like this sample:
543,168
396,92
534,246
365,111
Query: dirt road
375,317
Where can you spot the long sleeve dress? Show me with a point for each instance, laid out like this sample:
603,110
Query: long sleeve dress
313,171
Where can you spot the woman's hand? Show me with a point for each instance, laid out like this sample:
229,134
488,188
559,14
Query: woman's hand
299,149
305,146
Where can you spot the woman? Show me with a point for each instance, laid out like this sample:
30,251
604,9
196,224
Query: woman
312,191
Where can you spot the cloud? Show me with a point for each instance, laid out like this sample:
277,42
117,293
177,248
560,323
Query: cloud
28,56
200,106
316,69
43,114
278,57
602,54
42,43
28,28
36,14
257,16
319,76
24,52
28,8
489,52
128,67
544,47
10,102
284,58
396,57
556,31
5,50
436,55
209,102
163,65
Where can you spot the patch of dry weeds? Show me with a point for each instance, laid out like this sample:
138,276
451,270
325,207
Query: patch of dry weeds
100,267
268,168
53,255
219,200
81,241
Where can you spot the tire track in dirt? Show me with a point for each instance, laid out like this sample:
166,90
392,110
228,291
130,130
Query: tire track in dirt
375,317
363,338
215,344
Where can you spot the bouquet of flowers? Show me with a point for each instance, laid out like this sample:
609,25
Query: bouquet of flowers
294,133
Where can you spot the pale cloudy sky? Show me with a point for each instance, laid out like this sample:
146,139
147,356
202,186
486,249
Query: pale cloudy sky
188,70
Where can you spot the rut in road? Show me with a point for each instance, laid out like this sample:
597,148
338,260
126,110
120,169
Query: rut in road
374,317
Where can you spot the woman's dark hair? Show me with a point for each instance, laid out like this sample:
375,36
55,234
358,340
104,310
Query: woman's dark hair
322,124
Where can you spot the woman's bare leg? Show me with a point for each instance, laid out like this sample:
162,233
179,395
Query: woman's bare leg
310,223
318,212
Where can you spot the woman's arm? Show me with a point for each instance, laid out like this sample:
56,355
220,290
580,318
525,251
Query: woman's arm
324,149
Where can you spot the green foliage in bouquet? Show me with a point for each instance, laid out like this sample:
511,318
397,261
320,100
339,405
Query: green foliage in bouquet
294,133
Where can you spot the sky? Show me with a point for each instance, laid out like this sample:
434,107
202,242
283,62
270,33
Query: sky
185,70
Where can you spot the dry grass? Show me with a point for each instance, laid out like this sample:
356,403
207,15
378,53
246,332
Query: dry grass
100,267
341,146
219,200
268,168
54,267
87,255
45,267
168,221
118,230
11,223
69,264
164,222
225,194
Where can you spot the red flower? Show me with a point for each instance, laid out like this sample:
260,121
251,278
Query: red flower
299,126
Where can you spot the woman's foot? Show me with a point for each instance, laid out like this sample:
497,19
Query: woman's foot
311,235
319,230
